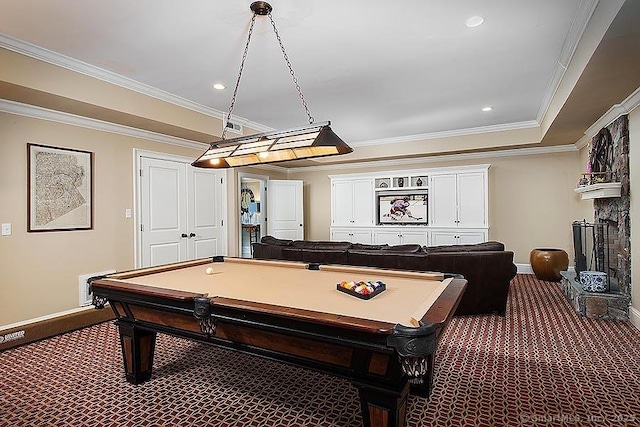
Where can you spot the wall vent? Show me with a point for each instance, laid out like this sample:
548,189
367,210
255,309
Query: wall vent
84,295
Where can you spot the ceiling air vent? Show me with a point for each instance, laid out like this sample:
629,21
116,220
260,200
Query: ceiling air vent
234,127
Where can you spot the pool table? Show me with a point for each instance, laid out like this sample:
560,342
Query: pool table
294,313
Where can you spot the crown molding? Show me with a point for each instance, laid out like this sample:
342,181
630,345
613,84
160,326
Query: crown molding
625,107
25,110
420,161
57,59
448,134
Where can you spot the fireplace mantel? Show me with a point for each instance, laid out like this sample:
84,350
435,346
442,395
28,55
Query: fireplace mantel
599,191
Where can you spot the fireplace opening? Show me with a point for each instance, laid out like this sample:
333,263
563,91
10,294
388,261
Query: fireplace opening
593,246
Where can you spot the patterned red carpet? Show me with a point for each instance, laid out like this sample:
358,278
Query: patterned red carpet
541,364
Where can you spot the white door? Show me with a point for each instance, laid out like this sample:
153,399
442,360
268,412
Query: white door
163,211
285,218
205,221
182,212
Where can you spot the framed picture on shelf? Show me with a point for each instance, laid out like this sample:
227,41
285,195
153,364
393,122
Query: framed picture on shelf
60,189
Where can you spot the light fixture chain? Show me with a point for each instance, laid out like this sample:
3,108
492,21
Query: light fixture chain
235,90
293,76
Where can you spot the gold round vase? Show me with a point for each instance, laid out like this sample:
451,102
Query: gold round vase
547,263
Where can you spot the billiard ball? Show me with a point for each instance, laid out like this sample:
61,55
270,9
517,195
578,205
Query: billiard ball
209,270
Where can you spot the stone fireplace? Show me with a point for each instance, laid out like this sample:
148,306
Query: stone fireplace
608,167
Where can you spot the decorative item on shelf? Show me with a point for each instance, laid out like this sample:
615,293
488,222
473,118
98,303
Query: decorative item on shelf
547,263
419,182
400,182
302,143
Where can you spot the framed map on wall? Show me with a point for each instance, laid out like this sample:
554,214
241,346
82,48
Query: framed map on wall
60,189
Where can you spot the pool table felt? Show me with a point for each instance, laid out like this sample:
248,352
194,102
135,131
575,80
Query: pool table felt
408,295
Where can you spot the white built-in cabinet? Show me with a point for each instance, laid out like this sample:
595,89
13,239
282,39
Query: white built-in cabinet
458,199
457,206
352,202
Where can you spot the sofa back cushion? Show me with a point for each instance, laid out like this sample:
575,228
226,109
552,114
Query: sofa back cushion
380,259
403,248
320,245
365,247
485,246
270,240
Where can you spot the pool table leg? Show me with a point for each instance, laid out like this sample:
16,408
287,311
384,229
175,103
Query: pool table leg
423,389
138,346
383,408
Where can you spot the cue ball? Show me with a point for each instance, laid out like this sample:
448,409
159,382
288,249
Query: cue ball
209,270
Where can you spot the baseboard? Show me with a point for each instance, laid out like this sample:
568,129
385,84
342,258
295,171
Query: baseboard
526,268
28,332
634,317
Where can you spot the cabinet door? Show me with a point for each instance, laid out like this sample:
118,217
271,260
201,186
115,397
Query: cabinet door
443,200
340,235
362,201
341,203
439,238
458,237
361,236
471,237
389,237
471,199
414,237
353,236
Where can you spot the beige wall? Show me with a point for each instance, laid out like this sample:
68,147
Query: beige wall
531,199
39,271
634,161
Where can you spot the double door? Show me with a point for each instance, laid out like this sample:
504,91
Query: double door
182,212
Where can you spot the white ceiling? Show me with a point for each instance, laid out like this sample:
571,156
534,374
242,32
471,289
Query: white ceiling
377,69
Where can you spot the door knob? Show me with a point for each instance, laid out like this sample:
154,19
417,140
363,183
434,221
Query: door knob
192,235
183,235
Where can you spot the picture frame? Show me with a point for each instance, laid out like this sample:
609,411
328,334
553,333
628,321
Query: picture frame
60,189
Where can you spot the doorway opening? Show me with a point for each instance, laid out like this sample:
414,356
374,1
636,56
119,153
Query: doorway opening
252,211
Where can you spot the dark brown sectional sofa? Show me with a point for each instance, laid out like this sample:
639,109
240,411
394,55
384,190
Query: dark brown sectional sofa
487,267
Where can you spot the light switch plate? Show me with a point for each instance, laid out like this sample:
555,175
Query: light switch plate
6,229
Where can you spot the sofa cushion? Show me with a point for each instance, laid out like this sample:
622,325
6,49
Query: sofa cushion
291,254
320,245
485,246
325,256
403,248
380,259
270,240
363,247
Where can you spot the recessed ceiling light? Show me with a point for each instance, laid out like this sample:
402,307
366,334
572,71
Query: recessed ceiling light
487,109
474,21
218,86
